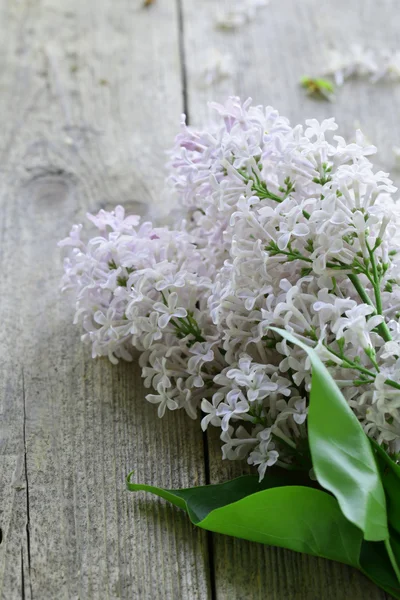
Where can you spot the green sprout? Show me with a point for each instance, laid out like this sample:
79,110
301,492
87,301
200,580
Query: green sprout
321,88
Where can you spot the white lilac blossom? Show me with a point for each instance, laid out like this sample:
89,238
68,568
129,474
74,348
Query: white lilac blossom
363,62
280,226
139,286
239,14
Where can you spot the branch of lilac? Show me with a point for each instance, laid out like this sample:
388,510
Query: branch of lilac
275,225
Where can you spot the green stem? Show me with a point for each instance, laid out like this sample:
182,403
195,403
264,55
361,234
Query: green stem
360,289
372,359
186,326
385,332
264,193
382,328
377,293
292,255
286,466
393,560
283,438
348,364
298,256
278,436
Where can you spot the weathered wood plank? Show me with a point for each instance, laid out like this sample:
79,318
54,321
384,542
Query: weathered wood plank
14,556
91,94
287,40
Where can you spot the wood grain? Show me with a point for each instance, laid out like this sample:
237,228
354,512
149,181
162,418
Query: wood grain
289,39
92,95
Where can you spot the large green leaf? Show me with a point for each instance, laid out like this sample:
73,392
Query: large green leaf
390,476
201,500
296,517
342,457
299,518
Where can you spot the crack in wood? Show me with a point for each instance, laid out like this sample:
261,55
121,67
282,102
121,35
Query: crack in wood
28,539
210,537
181,43
22,575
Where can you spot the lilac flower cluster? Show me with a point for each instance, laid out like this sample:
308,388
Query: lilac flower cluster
280,226
365,63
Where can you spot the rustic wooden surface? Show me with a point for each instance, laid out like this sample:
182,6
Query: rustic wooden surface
90,97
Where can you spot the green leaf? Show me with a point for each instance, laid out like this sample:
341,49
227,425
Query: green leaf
390,476
342,457
280,512
295,517
201,500
395,543
318,86
375,564
318,82
300,518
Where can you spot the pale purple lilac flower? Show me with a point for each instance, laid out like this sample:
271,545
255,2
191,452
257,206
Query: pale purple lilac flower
279,226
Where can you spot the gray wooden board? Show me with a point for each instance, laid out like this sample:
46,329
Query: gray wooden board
289,39
91,94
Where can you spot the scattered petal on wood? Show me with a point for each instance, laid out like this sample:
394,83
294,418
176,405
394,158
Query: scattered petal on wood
238,15
389,68
218,67
358,61
396,152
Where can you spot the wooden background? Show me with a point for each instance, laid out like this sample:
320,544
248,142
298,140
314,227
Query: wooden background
90,97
